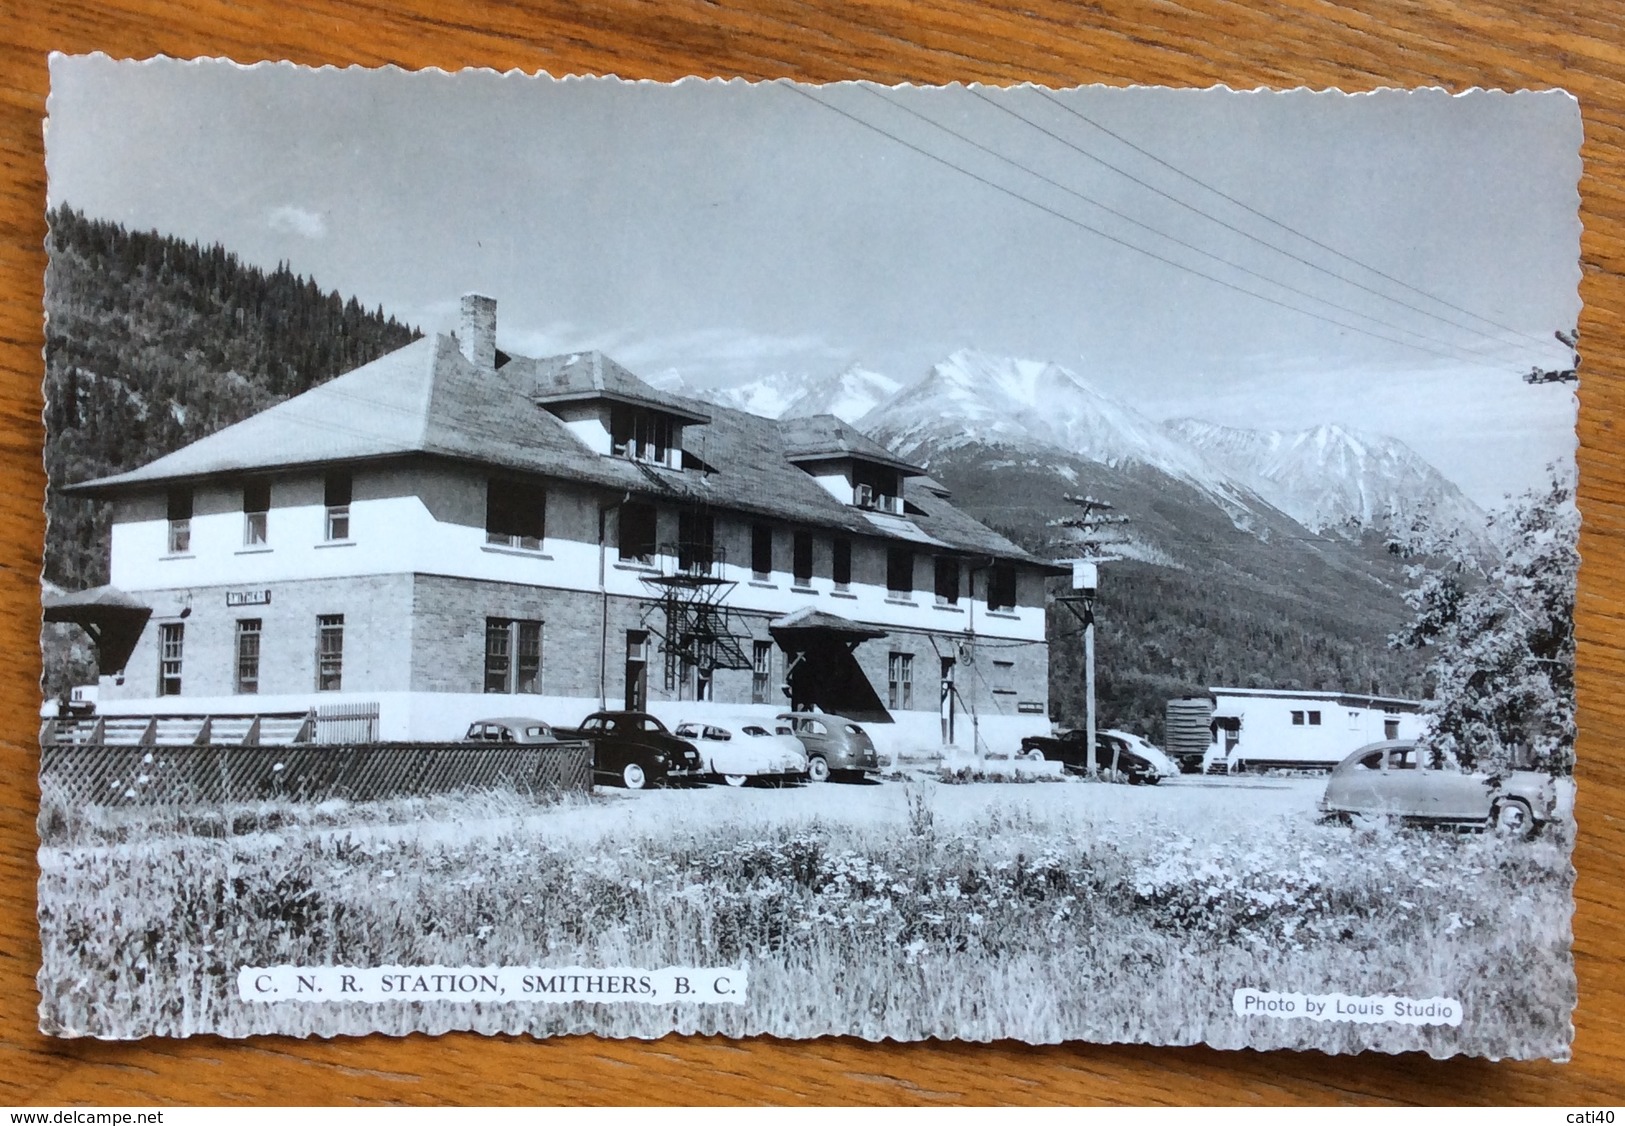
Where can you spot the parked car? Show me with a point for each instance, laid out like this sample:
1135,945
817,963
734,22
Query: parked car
1398,779
835,746
635,749
509,729
1136,761
737,752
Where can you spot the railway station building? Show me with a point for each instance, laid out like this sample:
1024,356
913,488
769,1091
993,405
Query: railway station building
450,533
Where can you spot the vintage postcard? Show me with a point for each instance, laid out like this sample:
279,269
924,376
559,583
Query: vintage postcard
542,556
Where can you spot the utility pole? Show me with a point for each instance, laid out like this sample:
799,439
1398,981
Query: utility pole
1085,582
1571,340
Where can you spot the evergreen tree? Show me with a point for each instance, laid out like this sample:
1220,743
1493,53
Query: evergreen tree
152,343
1500,634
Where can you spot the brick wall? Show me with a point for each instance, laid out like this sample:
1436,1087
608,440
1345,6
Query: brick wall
377,637
427,633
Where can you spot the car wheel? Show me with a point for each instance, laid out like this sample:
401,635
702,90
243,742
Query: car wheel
817,769
633,776
1512,818
734,780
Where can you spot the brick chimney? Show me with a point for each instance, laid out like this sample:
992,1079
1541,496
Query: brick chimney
477,330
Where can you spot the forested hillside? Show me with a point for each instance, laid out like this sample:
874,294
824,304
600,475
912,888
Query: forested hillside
152,343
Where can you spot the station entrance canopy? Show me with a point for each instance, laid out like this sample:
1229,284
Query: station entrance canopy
113,619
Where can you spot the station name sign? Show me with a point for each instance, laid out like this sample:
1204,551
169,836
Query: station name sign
248,598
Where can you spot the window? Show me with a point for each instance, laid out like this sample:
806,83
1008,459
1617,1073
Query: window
802,558
761,673
761,552
637,533
513,655
1390,729
1004,678
256,506
840,567
899,571
1001,587
1297,719
1314,719
900,681
642,435
947,584
874,486
248,656
329,652
696,542
336,496
515,514
180,521
171,642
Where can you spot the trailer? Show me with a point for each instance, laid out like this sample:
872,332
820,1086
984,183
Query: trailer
1236,729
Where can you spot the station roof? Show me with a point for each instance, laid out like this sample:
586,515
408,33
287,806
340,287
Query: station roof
427,399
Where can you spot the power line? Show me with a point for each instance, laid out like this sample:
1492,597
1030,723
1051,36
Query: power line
1291,230
1172,238
1065,218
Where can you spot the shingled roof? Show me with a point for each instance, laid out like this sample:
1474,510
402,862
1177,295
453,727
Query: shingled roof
428,399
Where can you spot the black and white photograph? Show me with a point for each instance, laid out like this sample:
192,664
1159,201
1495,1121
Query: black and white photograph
546,556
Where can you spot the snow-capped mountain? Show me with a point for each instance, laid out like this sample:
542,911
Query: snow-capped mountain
1334,478
770,396
848,396
972,398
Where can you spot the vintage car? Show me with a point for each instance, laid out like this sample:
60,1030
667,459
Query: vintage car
1397,779
1134,760
509,729
836,747
636,750
739,751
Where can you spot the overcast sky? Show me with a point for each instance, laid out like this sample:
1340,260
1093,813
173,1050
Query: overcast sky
729,231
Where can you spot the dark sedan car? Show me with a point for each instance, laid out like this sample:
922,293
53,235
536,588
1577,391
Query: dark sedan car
635,749
1136,760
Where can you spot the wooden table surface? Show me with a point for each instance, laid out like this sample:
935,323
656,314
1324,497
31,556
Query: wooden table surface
1457,44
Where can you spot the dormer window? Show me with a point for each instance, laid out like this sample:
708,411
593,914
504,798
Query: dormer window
876,487
641,434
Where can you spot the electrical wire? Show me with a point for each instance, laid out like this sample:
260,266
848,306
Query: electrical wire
1462,350
1110,237
1050,96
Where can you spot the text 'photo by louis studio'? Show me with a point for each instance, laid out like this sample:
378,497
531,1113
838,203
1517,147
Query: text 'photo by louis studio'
555,556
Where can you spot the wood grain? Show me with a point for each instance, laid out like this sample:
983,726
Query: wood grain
1457,44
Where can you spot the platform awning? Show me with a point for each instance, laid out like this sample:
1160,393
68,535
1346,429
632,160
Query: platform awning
810,620
113,619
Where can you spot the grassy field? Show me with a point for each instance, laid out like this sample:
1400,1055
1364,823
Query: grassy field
976,912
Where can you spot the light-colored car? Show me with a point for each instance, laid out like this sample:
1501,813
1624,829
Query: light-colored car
509,729
1397,779
739,751
1156,765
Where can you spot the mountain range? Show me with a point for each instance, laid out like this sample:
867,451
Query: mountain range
1329,479
1245,557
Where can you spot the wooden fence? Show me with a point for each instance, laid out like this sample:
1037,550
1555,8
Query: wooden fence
126,775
